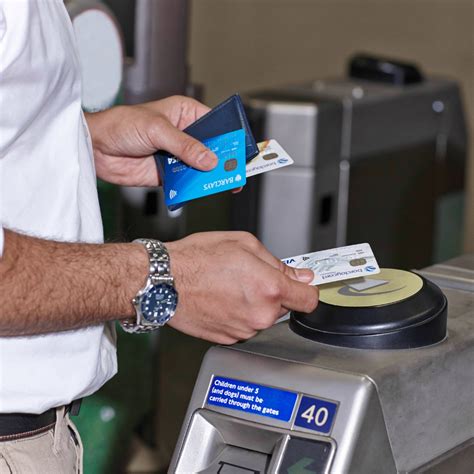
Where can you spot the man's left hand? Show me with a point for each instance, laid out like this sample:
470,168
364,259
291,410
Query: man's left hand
124,139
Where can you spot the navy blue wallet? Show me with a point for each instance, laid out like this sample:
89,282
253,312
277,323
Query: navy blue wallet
224,118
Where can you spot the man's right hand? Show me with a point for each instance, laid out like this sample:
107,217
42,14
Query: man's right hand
230,286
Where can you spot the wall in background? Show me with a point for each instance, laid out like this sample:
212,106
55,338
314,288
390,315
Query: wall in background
237,45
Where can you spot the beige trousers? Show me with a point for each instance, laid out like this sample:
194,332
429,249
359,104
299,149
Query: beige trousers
56,451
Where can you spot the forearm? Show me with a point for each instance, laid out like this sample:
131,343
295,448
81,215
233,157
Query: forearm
47,286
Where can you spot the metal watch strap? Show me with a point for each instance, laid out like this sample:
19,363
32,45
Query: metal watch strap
159,272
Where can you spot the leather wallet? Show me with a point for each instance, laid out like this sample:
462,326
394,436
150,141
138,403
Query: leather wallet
224,118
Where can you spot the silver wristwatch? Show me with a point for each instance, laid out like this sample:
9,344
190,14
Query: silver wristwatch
155,304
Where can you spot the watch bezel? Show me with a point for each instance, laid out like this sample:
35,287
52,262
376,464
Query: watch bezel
137,302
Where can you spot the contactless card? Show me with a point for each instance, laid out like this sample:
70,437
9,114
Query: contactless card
183,183
271,157
337,264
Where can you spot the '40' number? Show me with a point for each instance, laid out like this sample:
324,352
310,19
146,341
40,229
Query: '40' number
318,416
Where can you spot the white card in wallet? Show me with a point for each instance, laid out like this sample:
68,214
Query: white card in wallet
271,157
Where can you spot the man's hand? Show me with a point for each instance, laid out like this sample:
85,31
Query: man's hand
124,139
230,286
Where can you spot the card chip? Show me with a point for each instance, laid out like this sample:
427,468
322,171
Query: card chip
342,263
270,156
230,165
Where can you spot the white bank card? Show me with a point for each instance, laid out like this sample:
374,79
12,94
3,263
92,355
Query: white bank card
271,157
337,264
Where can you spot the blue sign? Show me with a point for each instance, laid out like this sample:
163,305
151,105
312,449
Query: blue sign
315,414
251,398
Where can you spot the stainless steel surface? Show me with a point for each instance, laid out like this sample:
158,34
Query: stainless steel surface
457,273
342,203
359,412
156,66
278,200
159,66
402,411
413,385
211,433
458,460
294,125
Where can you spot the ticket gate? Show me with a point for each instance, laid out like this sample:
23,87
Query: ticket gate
376,159
373,381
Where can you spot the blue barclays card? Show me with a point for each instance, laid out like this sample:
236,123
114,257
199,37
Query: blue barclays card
183,183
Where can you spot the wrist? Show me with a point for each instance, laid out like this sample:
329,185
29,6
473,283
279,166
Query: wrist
155,302
136,266
182,273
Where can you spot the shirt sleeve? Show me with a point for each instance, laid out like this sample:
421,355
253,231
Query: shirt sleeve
1,240
3,29
3,22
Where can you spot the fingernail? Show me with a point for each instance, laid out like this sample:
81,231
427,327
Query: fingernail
304,275
207,160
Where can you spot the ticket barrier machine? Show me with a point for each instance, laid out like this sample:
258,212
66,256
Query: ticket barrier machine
374,158
376,381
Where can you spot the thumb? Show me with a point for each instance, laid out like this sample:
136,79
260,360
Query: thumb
186,148
304,275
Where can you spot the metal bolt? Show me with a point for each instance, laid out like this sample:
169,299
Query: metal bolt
357,92
438,106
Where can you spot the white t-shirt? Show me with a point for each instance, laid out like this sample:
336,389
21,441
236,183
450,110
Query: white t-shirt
48,190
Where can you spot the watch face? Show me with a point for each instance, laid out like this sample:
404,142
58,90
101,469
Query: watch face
159,303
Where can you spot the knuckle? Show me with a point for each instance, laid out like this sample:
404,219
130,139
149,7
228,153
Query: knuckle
159,127
249,239
285,269
312,301
265,320
252,334
272,291
255,244
239,235
225,340
177,97
248,334
160,122
192,148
